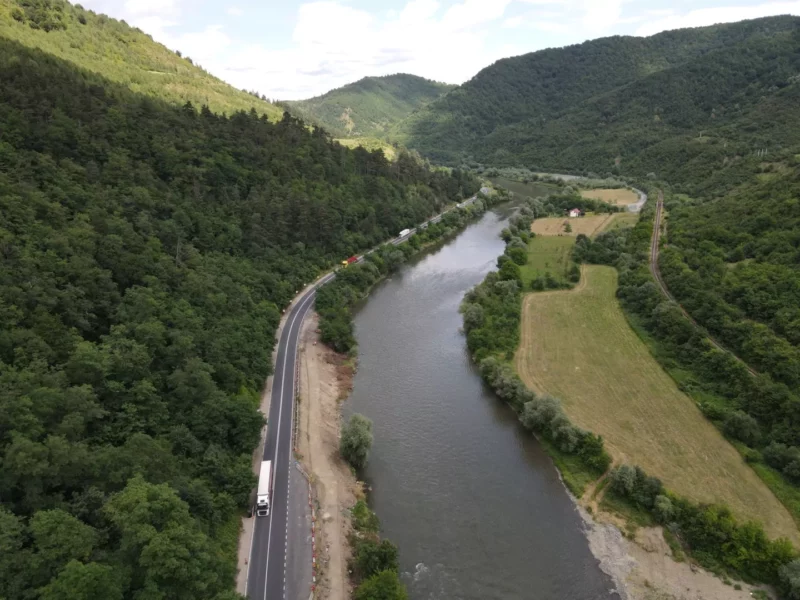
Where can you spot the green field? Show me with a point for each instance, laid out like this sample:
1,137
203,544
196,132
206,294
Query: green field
547,253
577,346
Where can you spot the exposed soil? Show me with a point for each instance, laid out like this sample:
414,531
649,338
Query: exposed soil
325,380
643,569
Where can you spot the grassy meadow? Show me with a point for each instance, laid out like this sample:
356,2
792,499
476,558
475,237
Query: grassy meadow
578,346
547,254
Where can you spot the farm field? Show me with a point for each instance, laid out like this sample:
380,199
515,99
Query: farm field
617,196
577,346
547,254
588,225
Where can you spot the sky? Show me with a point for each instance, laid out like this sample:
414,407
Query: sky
294,49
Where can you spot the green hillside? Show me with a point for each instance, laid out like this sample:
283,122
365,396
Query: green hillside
122,54
624,104
371,106
147,252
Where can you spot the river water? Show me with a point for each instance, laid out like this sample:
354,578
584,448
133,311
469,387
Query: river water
474,504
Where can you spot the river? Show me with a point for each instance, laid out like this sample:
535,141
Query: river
472,501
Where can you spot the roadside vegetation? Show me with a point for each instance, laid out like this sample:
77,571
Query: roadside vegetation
374,567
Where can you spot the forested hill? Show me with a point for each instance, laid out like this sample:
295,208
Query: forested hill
371,106
122,54
634,105
147,252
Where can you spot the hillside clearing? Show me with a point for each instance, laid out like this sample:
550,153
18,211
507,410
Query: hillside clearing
616,196
576,345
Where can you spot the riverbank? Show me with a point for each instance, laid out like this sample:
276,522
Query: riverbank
644,569
325,380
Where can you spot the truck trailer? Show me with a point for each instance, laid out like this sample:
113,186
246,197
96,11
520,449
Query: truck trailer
264,495
349,261
405,232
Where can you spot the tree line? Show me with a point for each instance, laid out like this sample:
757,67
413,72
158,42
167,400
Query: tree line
147,254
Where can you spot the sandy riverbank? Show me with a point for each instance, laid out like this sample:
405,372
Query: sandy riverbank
324,382
643,568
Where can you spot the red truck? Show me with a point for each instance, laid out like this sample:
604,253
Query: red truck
349,261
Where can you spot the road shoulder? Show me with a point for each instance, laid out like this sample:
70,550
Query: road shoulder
324,382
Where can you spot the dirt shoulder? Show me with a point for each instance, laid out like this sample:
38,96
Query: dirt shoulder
324,382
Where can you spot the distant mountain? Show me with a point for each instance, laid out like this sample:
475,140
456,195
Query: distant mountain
371,106
679,100
122,54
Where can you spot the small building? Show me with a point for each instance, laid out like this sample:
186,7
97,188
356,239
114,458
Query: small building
575,212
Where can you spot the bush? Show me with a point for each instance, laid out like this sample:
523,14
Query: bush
518,255
741,426
364,519
372,557
382,586
663,509
356,441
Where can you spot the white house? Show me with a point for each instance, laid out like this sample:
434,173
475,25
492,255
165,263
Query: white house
575,212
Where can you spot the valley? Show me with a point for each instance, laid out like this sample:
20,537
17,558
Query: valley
367,335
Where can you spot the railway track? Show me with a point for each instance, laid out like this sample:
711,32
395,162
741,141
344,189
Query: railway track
654,246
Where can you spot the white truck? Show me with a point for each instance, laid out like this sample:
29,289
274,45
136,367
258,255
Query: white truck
405,232
264,489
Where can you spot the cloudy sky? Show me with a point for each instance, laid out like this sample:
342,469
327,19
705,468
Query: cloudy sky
291,49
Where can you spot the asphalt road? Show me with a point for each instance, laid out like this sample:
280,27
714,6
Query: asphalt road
269,556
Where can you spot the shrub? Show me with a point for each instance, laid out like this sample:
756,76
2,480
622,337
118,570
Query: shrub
382,586
741,426
356,441
372,557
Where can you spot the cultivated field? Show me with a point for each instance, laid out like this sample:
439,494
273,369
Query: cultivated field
577,346
618,196
547,254
588,225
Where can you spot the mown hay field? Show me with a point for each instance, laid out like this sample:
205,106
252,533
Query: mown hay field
617,196
577,346
588,225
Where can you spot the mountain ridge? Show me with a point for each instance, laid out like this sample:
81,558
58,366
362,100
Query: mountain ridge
370,106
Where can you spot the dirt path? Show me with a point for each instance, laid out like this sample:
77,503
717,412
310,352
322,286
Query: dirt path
324,381
654,247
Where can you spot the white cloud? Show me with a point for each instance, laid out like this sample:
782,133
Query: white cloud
721,14
334,44
601,15
235,11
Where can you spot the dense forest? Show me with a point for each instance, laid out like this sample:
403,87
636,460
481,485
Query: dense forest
122,54
700,107
370,106
148,251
